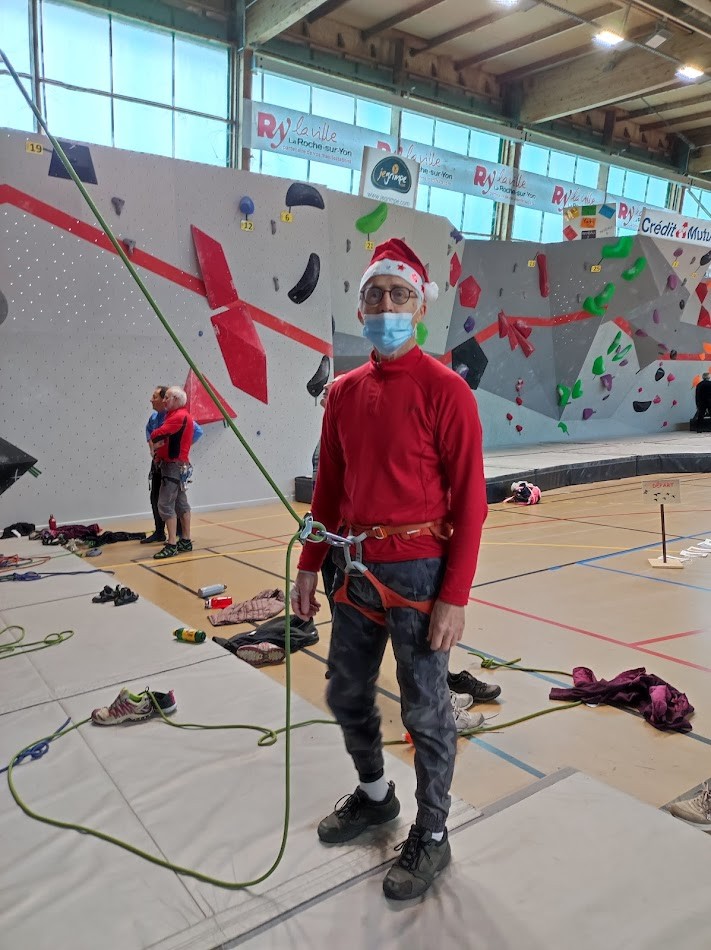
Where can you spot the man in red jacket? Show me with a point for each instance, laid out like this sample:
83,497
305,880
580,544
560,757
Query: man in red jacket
172,442
401,465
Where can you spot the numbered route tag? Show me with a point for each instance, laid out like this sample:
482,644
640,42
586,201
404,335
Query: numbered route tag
369,245
675,263
287,217
531,263
34,148
596,268
247,225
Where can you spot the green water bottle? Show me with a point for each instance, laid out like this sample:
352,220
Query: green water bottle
189,635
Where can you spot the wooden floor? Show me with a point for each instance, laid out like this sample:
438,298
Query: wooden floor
566,583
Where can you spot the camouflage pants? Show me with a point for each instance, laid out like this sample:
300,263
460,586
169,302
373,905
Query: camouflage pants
355,655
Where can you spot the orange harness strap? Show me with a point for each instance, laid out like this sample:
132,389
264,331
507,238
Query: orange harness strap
388,597
439,529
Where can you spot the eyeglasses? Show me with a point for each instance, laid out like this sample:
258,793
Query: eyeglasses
399,295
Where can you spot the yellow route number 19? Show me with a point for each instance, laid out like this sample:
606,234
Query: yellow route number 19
34,148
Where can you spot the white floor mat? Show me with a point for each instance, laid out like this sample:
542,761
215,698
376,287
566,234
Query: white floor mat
575,864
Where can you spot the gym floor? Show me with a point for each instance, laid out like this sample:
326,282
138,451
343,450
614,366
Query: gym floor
566,583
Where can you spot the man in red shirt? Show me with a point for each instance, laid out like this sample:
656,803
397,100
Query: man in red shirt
172,442
400,463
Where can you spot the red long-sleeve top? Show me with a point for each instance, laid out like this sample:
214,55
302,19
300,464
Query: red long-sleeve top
175,436
401,444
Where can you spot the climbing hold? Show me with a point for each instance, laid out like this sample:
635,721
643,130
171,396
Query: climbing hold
519,385
469,291
587,413
519,429
306,284
635,270
705,259
563,394
673,354
462,370
272,224
374,220
519,401
317,383
659,374
246,205
639,332
299,193
606,380
682,304
577,389
695,381
664,424
591,305
503,325
469,324
671,377
655,316
640,390
641,406
657,400
624,362
674,402
563,427
598,367
118,204
543,275
130,246
615,343
618,356
276,283
672,282
678,252
606,296
421,334
455,270
456,235
200,332
509,417
346,285
621,248
348,245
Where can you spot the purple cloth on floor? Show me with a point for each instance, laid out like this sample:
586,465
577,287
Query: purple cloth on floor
663,706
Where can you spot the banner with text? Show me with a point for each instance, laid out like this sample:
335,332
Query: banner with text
299,134
675,227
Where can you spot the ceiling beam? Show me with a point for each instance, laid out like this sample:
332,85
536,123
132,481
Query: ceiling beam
538,37
700,137
471,26
602,79
326,9
407,14
700,162
670,106
268,18
680,122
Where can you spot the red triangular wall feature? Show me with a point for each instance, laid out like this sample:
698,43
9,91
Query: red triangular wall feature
242,350
200,406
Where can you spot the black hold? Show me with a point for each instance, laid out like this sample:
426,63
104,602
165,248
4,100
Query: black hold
13,464
348,245
306,284
470,355
501,291
118,204
276,283
79,158
456,235
317,383
346,286
4,307
705,259
692,260
682,304
514,267
273,224
446,286
449,249
659,374
672,354
299,193
130,246
641,406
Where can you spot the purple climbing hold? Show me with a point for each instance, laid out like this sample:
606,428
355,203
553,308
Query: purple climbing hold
639,332
672,282
678,252
657,400
606,381
624,362
469,324
587,413
656,317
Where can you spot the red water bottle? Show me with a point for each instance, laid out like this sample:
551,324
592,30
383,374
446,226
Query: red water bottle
52,523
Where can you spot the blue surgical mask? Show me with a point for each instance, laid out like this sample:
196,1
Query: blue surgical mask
388,331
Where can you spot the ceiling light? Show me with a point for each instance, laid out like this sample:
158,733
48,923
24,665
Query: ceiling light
689,72
660,35
608,38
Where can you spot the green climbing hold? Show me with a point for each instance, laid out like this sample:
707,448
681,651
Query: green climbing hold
621,355
374,220
563,426
421,334
563,394
591,305
606,296
621,248
577,389
598,366
615,343
635,270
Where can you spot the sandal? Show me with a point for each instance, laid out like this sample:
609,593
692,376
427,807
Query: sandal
124,595
107,594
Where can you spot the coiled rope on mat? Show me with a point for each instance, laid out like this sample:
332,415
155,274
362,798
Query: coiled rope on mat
268,736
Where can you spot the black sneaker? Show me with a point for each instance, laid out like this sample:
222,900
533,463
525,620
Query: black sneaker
184,544
421,860
168,550
154,538
480,692
354,813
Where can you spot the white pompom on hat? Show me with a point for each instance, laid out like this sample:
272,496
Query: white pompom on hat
394,258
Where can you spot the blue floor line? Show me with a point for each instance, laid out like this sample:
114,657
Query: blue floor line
507,757
645,577
498,659
643,547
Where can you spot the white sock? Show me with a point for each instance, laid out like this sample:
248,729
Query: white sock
437,835
376,791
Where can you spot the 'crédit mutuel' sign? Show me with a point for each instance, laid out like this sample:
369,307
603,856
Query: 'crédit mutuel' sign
674,227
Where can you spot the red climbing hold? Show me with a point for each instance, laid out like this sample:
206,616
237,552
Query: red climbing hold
503,325
509,417
519,429
214,269
469,292
242,350
200,405
519,401
543,274
455,270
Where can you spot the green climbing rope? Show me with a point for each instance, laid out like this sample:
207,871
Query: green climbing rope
19,647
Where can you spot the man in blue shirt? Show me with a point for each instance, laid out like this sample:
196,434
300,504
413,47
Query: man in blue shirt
155,420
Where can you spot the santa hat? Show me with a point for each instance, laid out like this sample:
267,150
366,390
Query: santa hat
395,259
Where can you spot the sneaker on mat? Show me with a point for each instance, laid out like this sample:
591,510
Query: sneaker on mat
460,700
355,813
261,654
421,860
464,721
168,550
133,707
696,810
184,544
480,692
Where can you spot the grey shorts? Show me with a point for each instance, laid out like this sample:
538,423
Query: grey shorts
173,498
